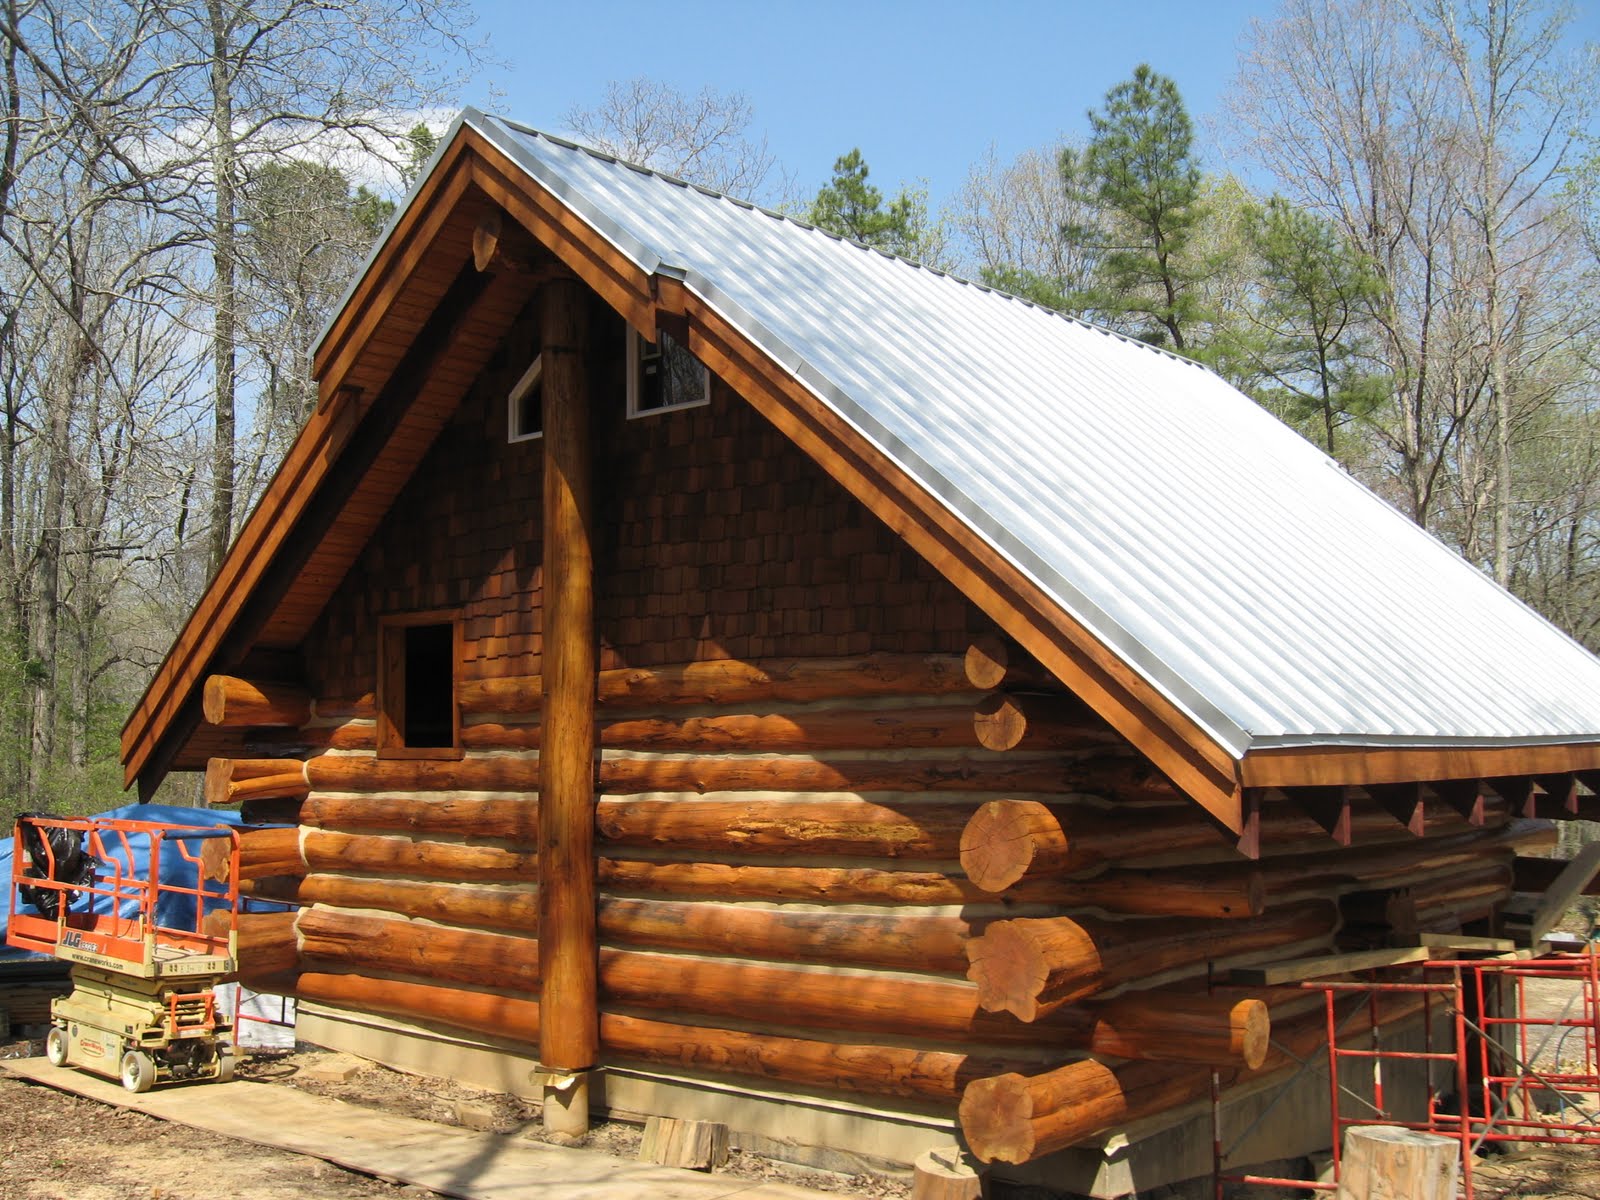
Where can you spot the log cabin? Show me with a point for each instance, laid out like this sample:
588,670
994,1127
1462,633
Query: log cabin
691,664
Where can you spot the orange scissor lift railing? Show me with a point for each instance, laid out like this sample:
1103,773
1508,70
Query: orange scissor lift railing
1485,1042
129,938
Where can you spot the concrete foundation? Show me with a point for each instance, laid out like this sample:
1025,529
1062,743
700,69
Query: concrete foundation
1287,1120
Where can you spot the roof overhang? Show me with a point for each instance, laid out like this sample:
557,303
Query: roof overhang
263,595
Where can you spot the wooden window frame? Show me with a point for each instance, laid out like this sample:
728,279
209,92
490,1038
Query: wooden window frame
392,683
532,378
636,344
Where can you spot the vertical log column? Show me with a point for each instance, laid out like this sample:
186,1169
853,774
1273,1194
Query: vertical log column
568,1010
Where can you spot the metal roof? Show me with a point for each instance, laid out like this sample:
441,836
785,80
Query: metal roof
1236,567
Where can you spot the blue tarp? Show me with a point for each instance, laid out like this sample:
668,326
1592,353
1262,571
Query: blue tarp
171,910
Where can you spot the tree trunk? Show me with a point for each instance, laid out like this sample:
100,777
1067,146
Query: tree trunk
224,255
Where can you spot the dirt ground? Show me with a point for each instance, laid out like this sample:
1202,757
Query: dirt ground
57,1146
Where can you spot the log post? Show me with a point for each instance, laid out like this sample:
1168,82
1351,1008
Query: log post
232,702
569,1036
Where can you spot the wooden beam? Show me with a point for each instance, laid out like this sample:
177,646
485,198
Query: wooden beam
1575,877
1249,831
1328,807
1538,875
727,682
1463,795
1010,721
223,773
1517,791
1405,802
569,1038
1560,791
1032,966
992,661
501,245
1357,766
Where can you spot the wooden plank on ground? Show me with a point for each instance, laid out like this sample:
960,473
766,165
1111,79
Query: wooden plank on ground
1459,941
443,1159
1294,970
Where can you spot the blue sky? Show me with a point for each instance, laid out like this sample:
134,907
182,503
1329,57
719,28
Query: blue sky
923,88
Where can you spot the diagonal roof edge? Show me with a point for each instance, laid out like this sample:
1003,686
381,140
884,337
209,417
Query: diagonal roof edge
863,456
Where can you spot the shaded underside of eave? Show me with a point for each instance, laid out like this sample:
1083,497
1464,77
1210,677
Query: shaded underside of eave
163,725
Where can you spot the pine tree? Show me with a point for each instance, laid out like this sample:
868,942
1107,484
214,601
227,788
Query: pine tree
1315,289
851,207
1140,168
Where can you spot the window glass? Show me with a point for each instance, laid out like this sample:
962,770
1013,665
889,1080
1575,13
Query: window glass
663,375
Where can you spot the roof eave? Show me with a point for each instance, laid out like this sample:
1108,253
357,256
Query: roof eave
1352,764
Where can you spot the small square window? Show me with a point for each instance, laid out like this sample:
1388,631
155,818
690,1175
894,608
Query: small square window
663,375
418,716
525,404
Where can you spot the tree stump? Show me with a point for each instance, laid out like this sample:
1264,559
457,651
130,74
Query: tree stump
945,1173
1385,1162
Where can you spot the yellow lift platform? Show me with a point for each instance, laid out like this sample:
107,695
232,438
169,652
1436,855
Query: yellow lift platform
147,947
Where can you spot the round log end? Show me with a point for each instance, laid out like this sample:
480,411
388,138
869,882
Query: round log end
1010,969
219,775
997,1118
214,699
999,722
987,660
1251,1023
1001,840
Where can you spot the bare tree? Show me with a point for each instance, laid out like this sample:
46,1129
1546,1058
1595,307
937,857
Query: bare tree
1013,220
703,138
1435,135
1521,106
276,80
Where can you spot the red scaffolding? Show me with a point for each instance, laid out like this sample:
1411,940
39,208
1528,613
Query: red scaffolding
1499,1065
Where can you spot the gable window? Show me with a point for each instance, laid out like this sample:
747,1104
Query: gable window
663,375
418,716
525,404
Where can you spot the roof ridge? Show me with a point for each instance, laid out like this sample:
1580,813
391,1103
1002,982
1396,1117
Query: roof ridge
750,205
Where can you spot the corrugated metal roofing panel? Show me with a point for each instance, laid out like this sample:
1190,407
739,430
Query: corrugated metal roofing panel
1235,566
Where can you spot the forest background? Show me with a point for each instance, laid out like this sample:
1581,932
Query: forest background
1401,259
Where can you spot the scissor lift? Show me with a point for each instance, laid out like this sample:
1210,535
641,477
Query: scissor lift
143,1005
